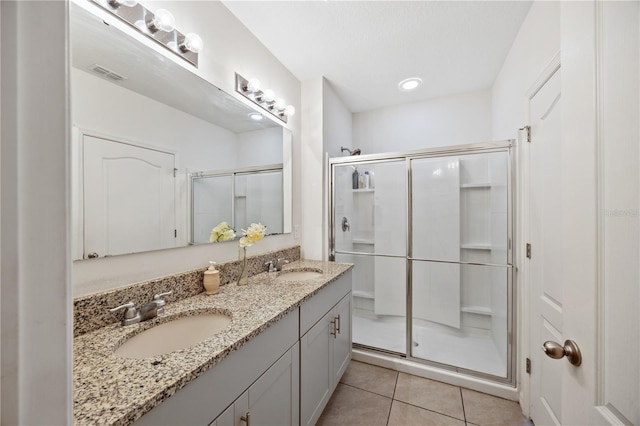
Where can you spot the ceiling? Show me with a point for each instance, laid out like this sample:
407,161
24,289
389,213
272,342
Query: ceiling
365,48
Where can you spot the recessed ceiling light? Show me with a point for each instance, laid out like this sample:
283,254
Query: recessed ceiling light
255,116
409,84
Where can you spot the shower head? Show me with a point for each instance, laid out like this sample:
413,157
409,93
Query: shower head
354,152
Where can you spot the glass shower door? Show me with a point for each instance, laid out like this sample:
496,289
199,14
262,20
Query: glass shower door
369,230
460,272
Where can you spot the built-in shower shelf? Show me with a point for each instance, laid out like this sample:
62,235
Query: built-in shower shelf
363,294
362,241
480,310
477,246
476,185
364,190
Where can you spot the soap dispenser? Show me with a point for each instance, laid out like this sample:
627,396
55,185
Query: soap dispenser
211,279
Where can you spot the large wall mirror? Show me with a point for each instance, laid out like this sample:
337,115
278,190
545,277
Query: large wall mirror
159,155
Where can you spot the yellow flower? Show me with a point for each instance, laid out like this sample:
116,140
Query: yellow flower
254,233
222,232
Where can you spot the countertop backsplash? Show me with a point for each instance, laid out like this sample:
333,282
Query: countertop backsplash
91,312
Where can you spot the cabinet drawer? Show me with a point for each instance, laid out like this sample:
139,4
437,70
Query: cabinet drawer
316,307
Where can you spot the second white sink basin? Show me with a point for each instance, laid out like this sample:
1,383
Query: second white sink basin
174,335
297,275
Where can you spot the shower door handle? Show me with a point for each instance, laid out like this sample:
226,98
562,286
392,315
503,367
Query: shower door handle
345,224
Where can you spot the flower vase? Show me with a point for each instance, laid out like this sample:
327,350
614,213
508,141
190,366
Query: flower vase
244,274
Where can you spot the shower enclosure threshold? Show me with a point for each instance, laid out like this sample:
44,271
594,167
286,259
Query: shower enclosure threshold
409,366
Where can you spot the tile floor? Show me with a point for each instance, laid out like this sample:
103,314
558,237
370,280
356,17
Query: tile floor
371,395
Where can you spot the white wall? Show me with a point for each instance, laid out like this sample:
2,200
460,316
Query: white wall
536,44
451,120
218,63
337,124
259,147
311,161
36,266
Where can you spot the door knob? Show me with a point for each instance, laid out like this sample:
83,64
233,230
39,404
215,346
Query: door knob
570,350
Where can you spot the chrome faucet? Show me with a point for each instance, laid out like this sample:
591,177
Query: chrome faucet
146,312
279,263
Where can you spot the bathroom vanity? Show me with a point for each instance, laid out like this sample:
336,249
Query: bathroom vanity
277,362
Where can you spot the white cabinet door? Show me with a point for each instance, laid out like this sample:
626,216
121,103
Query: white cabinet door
229,417
316,373
273,398
325,354
342,339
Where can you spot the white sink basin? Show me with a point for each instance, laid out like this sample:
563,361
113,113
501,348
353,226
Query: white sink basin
174,335
297,275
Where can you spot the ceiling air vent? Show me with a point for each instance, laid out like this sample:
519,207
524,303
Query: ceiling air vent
106,73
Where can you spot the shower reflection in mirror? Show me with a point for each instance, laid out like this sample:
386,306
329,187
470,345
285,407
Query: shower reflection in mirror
239,197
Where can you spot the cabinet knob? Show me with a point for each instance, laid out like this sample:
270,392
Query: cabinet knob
246,418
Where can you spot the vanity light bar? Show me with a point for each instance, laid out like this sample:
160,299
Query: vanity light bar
265,99
158,26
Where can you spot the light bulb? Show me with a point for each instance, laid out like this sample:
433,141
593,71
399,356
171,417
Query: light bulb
409,84
268,95
192,42
253,85
280,104
117,3
289,110
162,20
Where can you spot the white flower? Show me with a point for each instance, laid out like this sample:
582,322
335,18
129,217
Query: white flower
222,232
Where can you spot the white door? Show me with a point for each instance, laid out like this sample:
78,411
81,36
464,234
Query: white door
545,237
599,187
129,198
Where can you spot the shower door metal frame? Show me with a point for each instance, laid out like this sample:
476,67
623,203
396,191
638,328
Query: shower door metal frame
481,148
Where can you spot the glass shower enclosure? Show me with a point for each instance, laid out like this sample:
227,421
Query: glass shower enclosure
430,234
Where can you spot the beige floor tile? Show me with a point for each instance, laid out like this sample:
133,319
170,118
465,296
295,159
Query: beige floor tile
371,378
429,394
483,409
352,406
407,415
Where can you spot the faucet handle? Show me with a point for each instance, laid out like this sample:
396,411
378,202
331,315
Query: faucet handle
158,298
130,313
160,302
270,265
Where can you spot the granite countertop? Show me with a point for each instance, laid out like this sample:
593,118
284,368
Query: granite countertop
115,391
